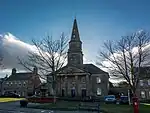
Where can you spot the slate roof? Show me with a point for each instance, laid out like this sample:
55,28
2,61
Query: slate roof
92,69
20,76
89,68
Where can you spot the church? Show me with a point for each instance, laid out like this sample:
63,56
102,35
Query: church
77,79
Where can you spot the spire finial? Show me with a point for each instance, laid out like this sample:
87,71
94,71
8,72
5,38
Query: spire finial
75,32
75,16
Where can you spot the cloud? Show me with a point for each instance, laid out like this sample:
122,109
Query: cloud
11,47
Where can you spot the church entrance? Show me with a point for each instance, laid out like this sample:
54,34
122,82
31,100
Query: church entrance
83,92
73,92
63,93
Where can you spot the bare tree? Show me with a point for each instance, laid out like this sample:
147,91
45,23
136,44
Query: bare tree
123,84
1,67
1,60
124,58
49,56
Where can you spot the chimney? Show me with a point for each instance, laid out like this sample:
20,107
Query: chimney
13,71
35,70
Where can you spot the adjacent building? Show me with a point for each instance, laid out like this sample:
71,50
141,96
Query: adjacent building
1,84
22,83
143,89
77,79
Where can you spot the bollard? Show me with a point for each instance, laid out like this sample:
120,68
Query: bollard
98,108
79,106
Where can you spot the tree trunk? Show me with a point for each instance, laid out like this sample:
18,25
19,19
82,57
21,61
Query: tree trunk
54,88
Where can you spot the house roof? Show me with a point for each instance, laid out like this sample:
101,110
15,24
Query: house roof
20,76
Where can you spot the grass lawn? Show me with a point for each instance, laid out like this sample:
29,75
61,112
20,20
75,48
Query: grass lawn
10,99
112,108
109,108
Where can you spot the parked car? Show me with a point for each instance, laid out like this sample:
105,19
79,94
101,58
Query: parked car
110,99
122,100
11,94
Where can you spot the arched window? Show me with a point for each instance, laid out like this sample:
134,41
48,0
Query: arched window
143,94
141,83
98,79
149,82
83,79
99,91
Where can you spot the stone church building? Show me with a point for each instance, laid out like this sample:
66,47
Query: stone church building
77,79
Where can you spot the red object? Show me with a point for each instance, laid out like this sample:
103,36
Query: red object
135,104
41,100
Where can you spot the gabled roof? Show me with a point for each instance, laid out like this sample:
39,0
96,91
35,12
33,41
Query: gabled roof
20,76
87,68
91,68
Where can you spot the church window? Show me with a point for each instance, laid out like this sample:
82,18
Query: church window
83,79
108,85
98,79
143,94
23,93
149,82
74,36
141,83
99,91
65,78
24,83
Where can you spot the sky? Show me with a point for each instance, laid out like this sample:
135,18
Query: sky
98,20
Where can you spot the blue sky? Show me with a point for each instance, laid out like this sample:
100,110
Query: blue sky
98,20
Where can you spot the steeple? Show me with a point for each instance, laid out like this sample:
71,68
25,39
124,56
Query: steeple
75,32
75,56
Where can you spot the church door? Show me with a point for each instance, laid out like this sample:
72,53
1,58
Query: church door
63,93
83,92
73,92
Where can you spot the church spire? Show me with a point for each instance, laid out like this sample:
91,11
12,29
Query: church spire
75,32
75,56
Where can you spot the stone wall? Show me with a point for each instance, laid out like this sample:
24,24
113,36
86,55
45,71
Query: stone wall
80,82
103,85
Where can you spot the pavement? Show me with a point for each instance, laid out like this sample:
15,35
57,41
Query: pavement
14,107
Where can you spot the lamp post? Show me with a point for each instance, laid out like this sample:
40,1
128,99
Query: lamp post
129,97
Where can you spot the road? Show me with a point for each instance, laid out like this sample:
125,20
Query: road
14,107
